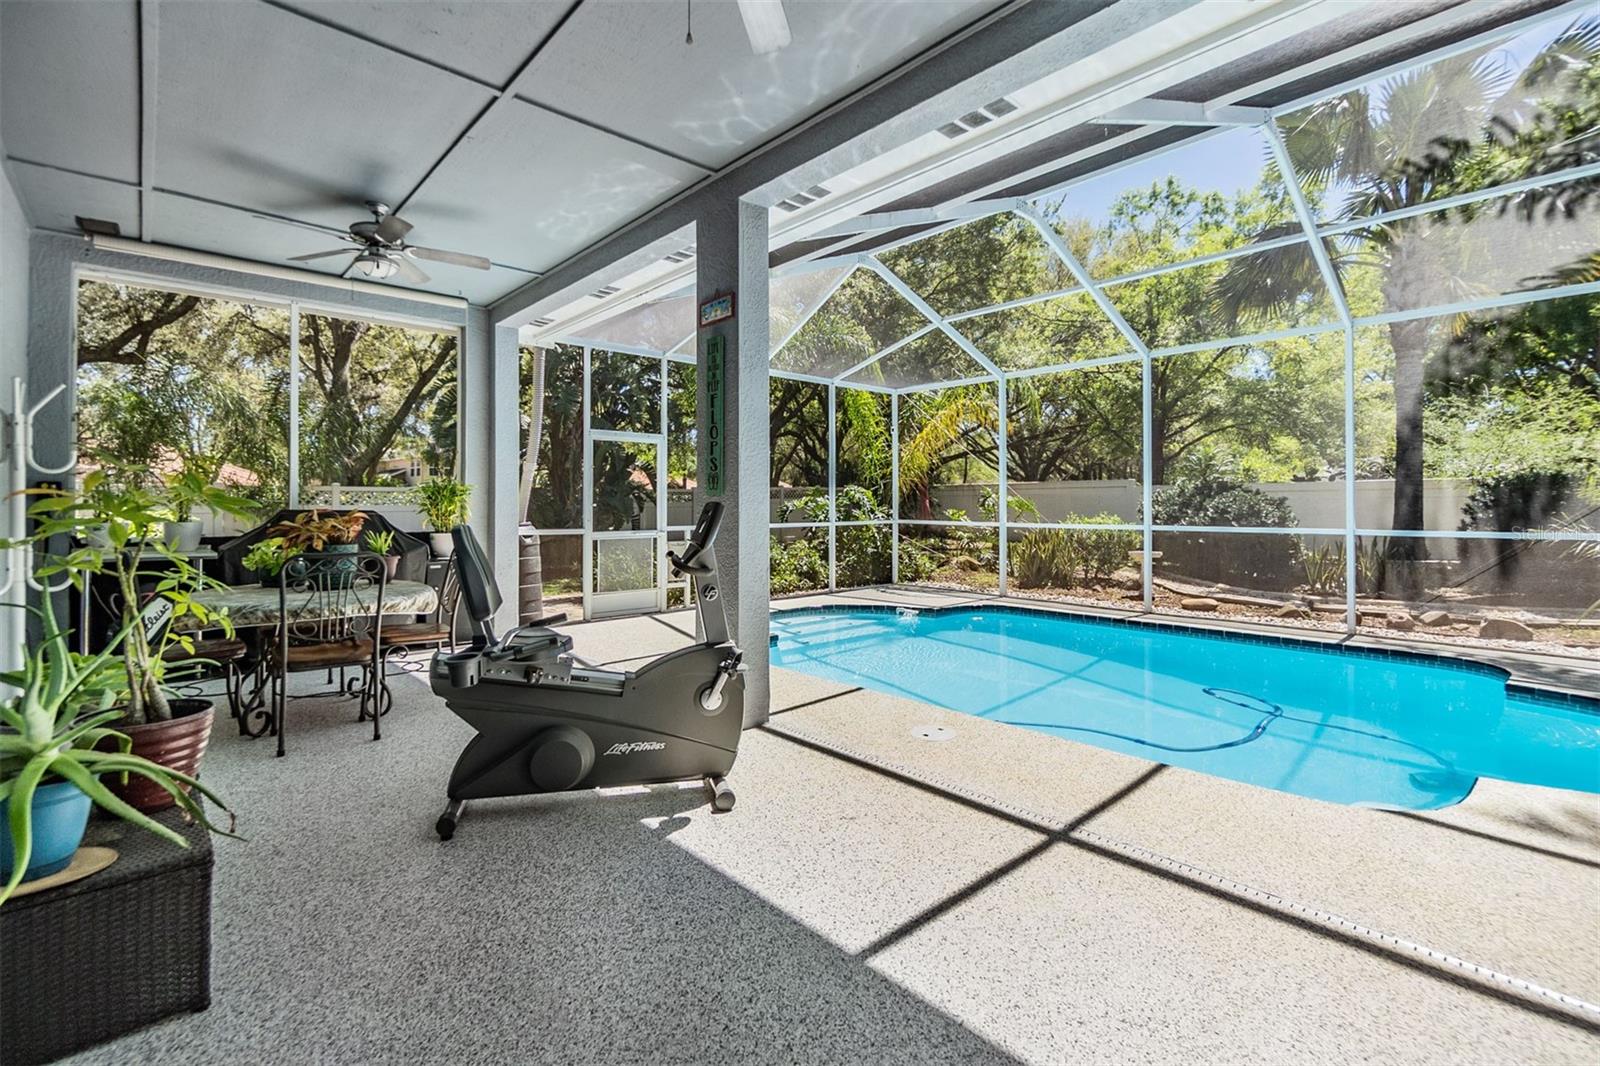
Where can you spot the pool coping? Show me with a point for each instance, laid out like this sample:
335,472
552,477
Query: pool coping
1549,696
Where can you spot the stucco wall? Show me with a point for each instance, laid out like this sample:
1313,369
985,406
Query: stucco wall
13,364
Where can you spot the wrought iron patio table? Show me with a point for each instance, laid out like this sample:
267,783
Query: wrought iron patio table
254,608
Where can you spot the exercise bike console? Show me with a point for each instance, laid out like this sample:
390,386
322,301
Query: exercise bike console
548,723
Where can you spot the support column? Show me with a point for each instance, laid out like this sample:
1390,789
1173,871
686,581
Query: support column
731,256
490,449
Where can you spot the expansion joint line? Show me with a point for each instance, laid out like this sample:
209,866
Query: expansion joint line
1066,832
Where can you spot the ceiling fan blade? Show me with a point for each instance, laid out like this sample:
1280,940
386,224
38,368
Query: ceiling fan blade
410,271
321,255
392,229
439,255
765,24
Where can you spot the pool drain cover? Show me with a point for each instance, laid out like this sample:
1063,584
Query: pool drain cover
933,732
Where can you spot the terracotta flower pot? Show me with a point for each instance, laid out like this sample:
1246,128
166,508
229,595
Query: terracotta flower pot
178,743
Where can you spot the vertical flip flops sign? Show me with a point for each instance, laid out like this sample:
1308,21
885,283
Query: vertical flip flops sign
717,309
715,403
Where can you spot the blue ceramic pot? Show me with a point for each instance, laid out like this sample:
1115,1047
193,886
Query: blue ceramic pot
60,814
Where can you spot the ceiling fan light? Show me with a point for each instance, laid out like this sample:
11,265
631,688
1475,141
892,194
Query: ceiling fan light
374,266
766,24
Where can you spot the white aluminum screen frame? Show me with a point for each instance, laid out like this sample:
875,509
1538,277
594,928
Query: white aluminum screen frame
1312,235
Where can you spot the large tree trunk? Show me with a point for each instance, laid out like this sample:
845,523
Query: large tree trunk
531,601
1158,441
1410,343
530,454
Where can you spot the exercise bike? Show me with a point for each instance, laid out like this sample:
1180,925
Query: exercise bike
547,723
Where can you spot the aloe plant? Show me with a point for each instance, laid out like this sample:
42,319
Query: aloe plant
379,541
57,725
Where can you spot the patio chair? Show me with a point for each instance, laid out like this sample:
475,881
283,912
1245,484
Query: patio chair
330,609
226,653
437,631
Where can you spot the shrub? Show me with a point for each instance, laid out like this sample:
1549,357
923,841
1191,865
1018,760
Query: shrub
1218,501
917,561
1264,561
863,555
798,565
1101,552
1061,558
1324,568
1042,559
1526,500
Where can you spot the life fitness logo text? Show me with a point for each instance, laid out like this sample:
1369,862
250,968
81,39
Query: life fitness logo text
632,746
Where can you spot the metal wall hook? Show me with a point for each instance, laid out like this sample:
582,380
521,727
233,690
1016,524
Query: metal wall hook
21,457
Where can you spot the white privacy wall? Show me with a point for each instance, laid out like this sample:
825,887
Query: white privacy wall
1316,504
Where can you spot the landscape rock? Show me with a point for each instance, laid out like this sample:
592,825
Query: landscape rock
1199,603
1402,621
1436,618
1292,610
1504,629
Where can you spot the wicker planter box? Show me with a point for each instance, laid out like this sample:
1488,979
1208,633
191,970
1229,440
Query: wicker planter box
98,958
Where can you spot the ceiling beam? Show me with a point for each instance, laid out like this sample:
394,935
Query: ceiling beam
1180,113
149,42
916,216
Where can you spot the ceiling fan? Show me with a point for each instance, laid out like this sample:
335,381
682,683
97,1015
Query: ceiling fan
381,249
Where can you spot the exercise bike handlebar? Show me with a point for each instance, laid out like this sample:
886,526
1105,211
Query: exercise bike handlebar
701,540
700,562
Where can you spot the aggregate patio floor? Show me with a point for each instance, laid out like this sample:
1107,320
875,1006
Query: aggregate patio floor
999,897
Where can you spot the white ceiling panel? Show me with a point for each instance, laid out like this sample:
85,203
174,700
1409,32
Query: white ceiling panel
484,39
69,76
506,194
264,109
54,197
475,286
623,64
206,227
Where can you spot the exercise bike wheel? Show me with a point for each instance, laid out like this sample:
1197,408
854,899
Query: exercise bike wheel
446,825
722,797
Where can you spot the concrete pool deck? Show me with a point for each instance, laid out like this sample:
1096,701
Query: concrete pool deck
1507,881
1002,896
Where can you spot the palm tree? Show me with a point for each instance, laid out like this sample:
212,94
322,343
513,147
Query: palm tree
1460,124
950,419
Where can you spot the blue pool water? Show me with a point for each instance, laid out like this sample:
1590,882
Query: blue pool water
1388,731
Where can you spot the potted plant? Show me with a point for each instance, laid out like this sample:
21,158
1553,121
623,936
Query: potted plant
156,589
381,542
191,489
443,502
266,558
314,531
56,743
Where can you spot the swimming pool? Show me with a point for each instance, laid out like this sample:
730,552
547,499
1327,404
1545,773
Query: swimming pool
1357,727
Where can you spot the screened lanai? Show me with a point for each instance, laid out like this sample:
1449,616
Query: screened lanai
1328,362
